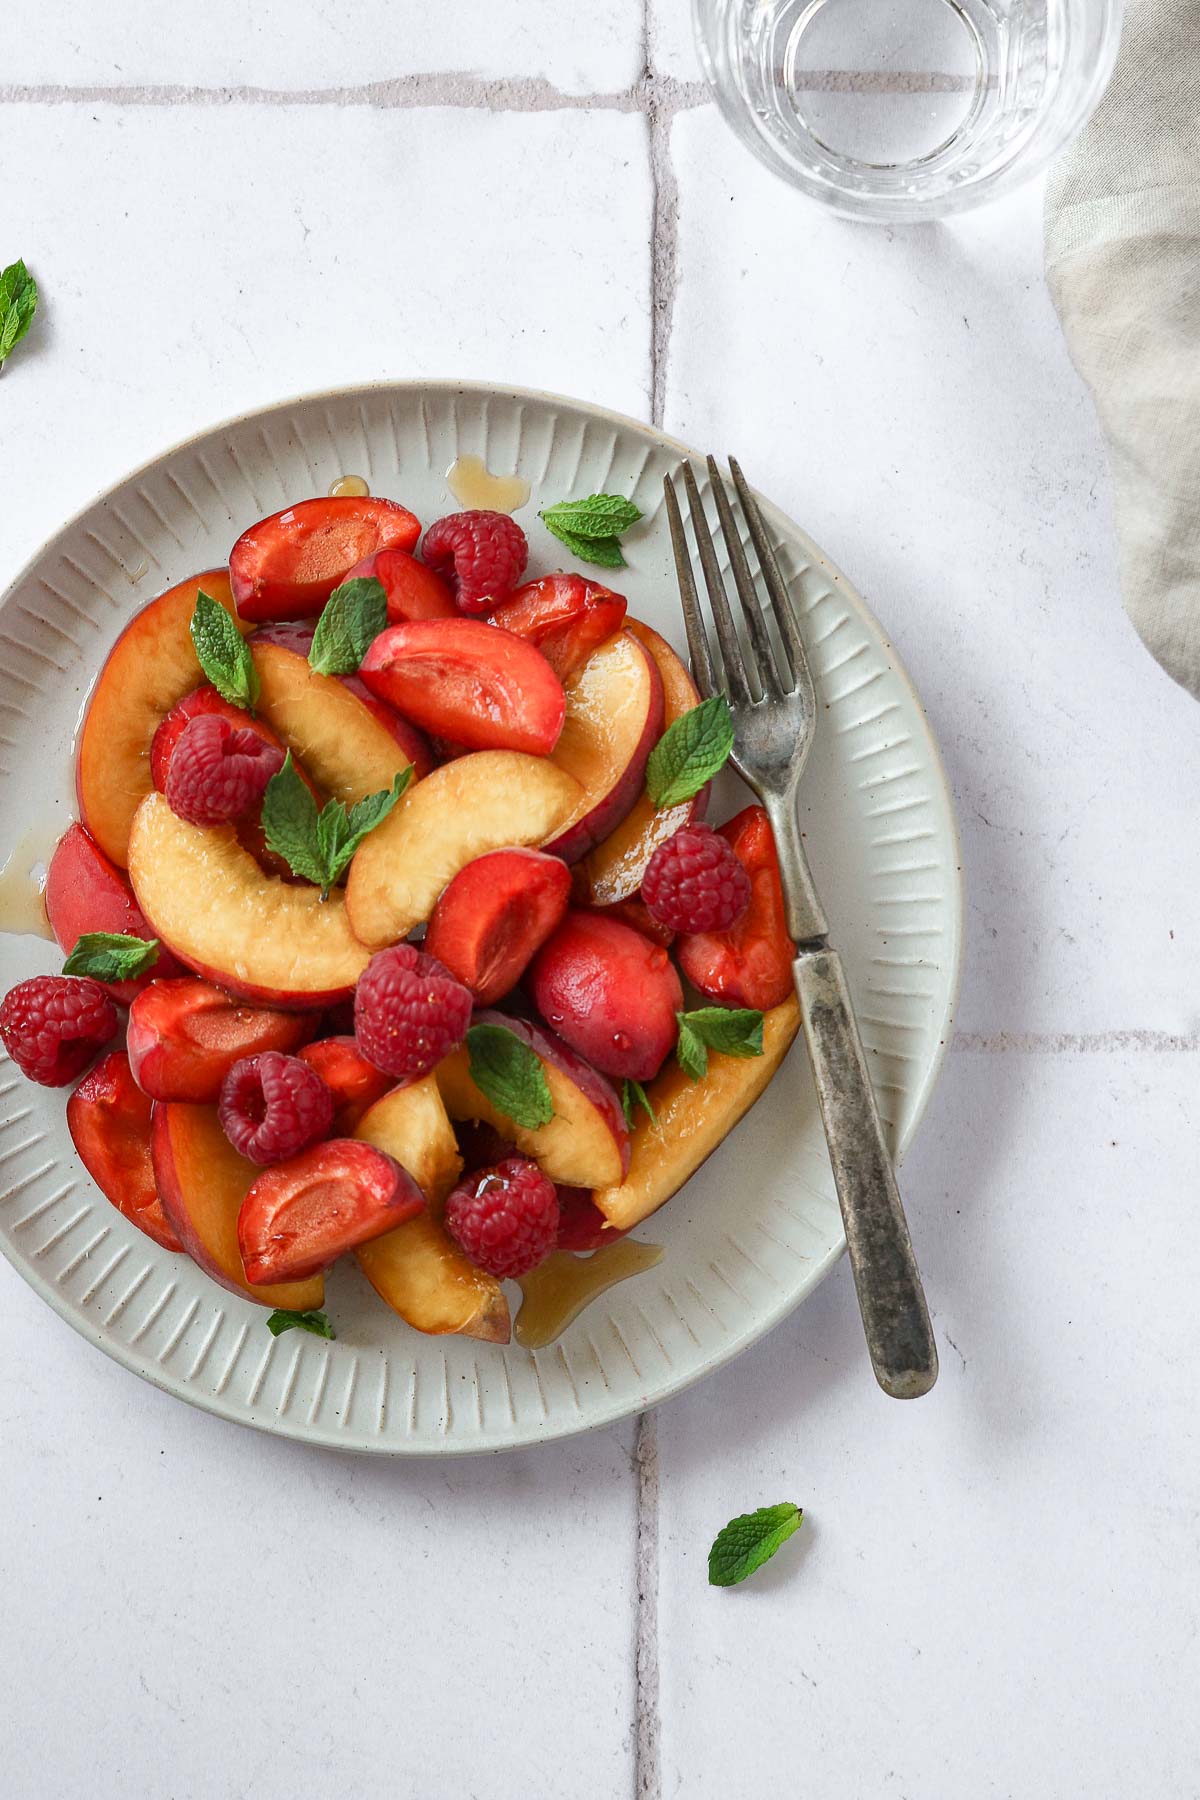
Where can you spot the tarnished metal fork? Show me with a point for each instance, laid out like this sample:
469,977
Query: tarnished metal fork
774,709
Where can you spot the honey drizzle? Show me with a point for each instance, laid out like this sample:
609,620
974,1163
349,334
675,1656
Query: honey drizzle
349,487
477,490
23,888
556,1292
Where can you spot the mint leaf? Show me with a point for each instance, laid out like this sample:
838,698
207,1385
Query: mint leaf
224,654
353,617
749,1541
633,1094
599,516
316,1322
319,845
510,1074
590,528
605,553
111,956
289,822
18,303
732,1030
690,752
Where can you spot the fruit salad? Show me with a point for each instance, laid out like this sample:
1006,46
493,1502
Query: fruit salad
394,924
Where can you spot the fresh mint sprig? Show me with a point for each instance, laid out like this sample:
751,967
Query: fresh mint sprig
591,528
18,303
749,1541
510,1075
111,956
224,653
353,617
731,1030
690,752
633,1095
316,1322
316,845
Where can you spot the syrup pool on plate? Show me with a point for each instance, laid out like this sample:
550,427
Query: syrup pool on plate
477,490
23,886
556,1292
349,487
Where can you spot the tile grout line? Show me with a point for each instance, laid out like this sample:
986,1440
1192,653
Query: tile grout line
520,94
1075,1043
647,1766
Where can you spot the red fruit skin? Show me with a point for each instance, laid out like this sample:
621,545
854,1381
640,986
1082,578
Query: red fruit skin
87,892
566,616
626,784
751,963
184,1036
354,1083
286,566
581,1224
481,554
108,1117
465,680
413,591
495,916
53,1026
505,1218
303,1214
611,993
637,914
200,703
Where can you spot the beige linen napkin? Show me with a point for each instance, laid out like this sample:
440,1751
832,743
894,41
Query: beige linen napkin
1123,262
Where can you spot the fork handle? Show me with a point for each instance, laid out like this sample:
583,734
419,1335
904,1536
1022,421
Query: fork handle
890,1298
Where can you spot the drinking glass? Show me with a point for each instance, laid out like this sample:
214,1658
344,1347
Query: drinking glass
900,110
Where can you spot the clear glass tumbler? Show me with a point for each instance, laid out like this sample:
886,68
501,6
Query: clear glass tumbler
901,110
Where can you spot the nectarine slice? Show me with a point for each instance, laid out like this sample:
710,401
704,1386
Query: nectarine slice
108,1117
613,871
184,1036
692,1119
613,721
301,1215
354,1083
566,616
343,742
479,802
202,1182
495,915
418,1269
585,1144
286,566
412,590
463,680
151,666
223,916
86,892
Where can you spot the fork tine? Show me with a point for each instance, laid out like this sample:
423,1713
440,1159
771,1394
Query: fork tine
731,650
781,600
761,666
693,618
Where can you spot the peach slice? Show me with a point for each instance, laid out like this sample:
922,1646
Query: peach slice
613,870
286,566
465,680
611,992
614,719
418,1269
347,746
184,1037
87,892
693,1117
151,666
484,801
257,936
586,1143
302,1214
108,1117
202,1182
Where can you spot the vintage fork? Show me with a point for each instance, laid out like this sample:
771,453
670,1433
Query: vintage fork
774,709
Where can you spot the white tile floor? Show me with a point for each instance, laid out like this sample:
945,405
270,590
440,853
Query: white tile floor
995,1592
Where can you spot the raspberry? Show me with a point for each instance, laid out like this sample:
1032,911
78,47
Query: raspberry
219,771
273,1106
481,555
53,1025
409,1012
505,1217
694,882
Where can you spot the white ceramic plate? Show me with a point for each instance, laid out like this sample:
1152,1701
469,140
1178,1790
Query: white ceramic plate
757,1227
